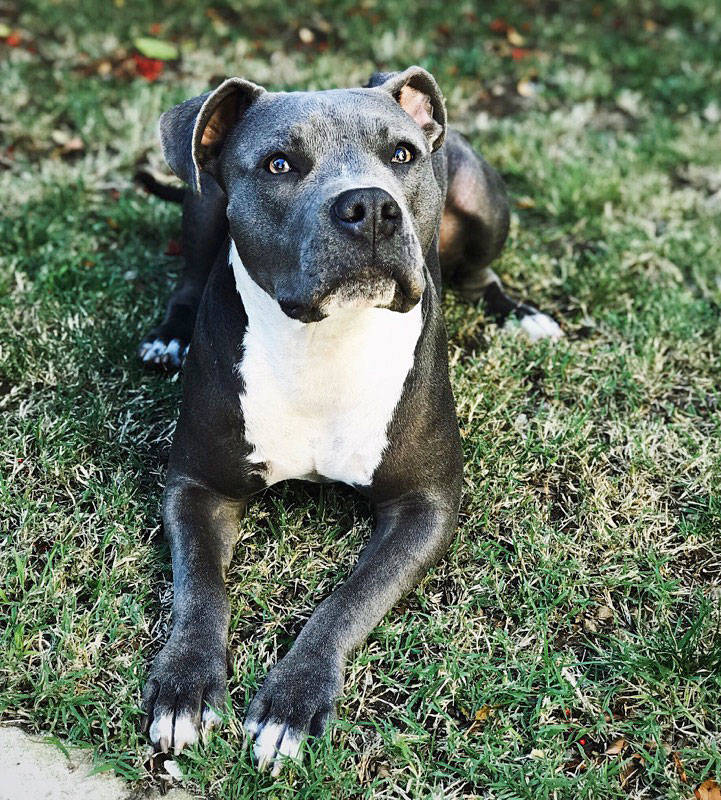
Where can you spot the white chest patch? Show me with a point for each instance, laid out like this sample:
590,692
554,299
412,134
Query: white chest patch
319,396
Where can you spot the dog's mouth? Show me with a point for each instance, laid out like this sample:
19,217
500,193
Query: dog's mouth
368,291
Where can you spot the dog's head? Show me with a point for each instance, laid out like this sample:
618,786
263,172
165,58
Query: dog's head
332,198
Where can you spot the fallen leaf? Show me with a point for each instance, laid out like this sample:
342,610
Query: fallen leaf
73,145
604,613
680,771
631,767
589,625
149,68
616,748
483,713
515,38
708,790
519,53
498,25
306,35
526,88
156,48
525,202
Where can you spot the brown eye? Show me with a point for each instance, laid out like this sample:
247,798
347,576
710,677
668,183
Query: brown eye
278,164
403,154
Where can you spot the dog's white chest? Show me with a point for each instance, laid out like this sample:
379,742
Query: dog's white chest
318,397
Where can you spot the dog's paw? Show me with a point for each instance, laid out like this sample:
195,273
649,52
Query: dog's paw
159,351
186,683
535,324
538,325
297,699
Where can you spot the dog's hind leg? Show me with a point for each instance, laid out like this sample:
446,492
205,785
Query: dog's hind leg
205,229
474,228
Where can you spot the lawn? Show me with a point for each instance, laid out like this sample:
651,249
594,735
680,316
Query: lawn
569,646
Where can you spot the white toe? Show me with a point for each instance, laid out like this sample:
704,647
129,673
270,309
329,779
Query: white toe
251,728
173,351
155,350
186,732
161,731
540,326
289,747
209,721
266,745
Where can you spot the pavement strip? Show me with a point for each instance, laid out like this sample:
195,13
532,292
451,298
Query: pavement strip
34,769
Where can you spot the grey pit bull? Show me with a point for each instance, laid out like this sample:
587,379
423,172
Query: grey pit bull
315,236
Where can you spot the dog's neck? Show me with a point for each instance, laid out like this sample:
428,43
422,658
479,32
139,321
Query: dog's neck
360,333
318,397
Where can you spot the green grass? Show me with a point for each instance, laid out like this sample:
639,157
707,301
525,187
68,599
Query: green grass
580,599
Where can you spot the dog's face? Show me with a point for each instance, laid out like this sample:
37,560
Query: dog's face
332,198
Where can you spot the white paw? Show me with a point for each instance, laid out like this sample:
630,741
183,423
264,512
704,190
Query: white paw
273,742
540,326
166,733
210,720
158,352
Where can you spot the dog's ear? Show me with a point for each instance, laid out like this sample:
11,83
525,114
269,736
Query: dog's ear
193,133
417,93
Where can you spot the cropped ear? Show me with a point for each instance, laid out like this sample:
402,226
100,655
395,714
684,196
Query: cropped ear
192,134
417,93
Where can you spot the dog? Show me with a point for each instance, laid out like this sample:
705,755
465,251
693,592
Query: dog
317,229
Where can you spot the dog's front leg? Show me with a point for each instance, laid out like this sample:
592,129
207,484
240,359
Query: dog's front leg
299,694
188,677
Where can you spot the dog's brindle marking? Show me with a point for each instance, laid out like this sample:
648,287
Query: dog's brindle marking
318,352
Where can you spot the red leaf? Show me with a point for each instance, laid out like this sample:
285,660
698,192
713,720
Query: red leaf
173,248
499,25
149,68
14,40
519,53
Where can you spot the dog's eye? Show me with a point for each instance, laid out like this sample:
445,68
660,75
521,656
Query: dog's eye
403,154
278,164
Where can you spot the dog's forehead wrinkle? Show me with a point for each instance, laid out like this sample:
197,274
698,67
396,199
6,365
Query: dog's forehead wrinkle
325,120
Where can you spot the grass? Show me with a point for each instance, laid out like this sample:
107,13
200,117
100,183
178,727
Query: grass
579,603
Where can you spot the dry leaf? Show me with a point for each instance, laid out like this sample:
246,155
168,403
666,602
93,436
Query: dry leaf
708,790
306,35
526,88
616,748
525,202
631,767
680,771
604,613
483,713
515,38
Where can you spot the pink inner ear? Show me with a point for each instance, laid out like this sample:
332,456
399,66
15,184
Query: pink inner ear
417,104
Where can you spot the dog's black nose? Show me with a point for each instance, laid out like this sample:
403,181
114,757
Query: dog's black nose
371,213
